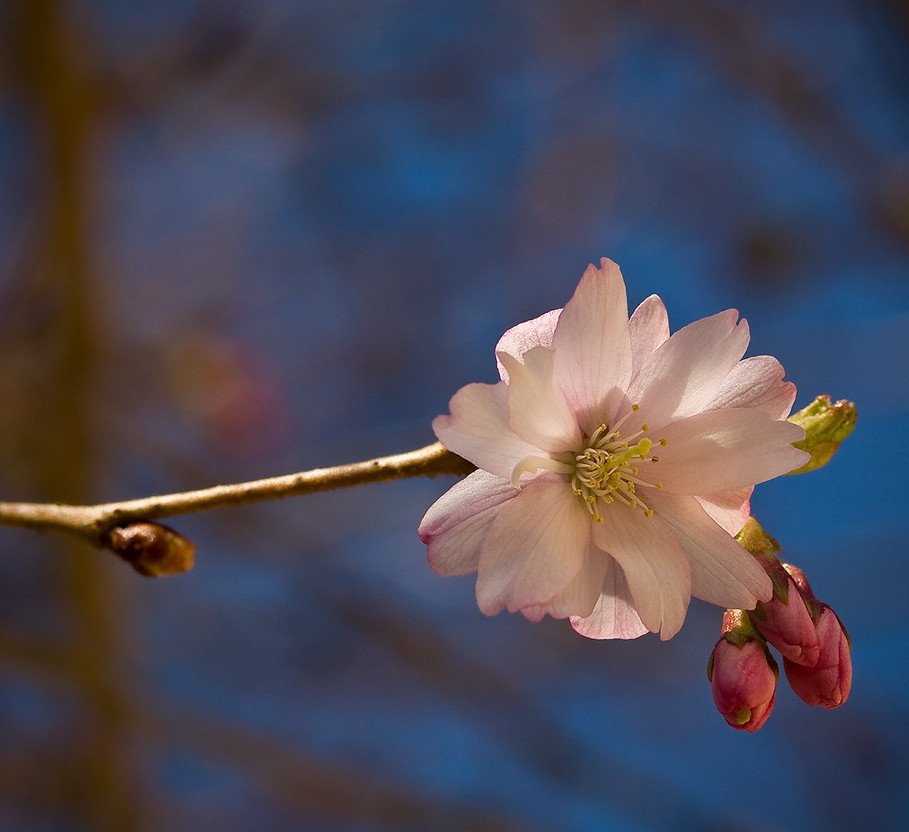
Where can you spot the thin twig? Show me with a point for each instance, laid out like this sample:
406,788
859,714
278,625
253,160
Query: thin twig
94,522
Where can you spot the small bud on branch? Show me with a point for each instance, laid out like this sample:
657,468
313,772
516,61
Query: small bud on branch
152,549
826,425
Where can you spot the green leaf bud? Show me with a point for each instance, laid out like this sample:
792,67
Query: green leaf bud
826,425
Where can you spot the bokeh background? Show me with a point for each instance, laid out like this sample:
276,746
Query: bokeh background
247,238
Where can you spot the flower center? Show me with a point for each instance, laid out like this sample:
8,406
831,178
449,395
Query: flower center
607,469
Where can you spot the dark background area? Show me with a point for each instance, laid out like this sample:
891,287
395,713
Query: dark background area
247,238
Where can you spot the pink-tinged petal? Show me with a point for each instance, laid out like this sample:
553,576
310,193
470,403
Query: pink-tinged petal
756,383
535,547
729,509
580,596
722,571
649,328
687,370
654,564
724,449
614,615
524,337
537,410
593,346
454,527
478,430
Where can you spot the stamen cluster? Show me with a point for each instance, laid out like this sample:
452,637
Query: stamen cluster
606,470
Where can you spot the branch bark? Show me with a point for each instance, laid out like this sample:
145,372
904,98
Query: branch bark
96,522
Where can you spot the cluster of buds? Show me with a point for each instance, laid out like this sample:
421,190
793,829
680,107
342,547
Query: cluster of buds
808,634
827,680
811,639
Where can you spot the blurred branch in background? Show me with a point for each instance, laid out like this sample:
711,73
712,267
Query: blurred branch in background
736,39
99,766
319,790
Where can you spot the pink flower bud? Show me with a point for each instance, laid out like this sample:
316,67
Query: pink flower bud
827,683
786,623
800,580
742,675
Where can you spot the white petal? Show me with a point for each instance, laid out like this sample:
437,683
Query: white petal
537,410
688,369
534,548
524,337
722,571
593,346
724,449
649,327
580,596
728,509
478,429
454,527
654,563
614,615
756,383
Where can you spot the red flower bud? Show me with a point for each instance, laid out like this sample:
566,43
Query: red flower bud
827,683
800,580
742,674
786,623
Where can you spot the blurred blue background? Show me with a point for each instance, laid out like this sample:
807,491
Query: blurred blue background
247,238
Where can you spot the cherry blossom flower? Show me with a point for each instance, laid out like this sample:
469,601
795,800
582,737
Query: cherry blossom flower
615,463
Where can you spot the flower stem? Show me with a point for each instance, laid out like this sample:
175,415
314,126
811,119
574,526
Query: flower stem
94,522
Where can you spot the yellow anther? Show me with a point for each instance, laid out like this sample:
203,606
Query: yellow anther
645,427
654,459
658,485
635,407
649,512
664,441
